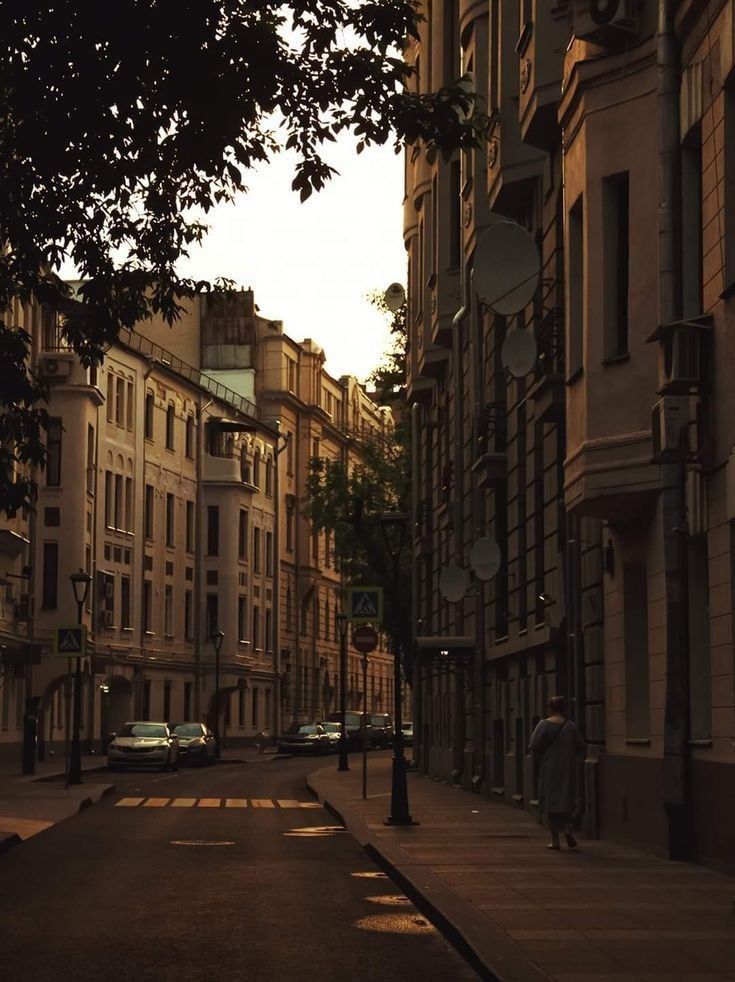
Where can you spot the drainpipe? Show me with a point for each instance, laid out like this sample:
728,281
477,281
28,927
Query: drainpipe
673,472
416,521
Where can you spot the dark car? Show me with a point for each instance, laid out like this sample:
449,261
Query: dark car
196,743
381,730
304,738
353,728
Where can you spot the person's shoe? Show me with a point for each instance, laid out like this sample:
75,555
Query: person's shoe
554,844
571,841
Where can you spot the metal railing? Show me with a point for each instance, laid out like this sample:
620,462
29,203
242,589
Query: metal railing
550,341
492,428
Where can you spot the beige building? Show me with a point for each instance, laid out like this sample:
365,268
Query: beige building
605,475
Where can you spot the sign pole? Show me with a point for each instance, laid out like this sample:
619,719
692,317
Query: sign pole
364,726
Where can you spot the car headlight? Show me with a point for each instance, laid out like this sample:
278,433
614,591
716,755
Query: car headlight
313,736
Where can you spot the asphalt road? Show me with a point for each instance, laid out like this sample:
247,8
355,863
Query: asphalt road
210,874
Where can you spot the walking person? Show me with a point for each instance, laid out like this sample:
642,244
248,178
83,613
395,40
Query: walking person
556,745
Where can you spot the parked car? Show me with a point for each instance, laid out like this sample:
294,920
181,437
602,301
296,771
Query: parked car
407,731
304,738
334,732
353,727
143,744
381,730
196,743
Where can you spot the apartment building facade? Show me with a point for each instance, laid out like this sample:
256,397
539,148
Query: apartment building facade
605,475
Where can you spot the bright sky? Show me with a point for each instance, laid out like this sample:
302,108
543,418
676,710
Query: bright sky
312,264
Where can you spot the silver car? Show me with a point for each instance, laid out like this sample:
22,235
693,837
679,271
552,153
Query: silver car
334,732
143,744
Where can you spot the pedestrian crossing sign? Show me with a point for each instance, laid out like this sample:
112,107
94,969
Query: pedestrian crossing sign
365,604
70,642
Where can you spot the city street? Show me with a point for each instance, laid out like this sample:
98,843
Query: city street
232,872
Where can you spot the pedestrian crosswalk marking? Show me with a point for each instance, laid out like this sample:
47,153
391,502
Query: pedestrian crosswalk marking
283,803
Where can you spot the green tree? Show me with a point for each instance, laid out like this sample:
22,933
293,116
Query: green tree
349,500
122,124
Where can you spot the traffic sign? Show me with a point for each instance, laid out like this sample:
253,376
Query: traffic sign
70,642
365,639
365,604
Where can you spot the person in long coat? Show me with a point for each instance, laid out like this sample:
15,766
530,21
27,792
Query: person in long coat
557,745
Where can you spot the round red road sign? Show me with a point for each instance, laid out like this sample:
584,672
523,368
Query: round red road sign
365,638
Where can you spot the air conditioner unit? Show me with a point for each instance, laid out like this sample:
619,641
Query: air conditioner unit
605,22
54,369
108,618
669,418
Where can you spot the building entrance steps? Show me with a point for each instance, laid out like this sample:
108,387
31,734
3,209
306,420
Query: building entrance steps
480,869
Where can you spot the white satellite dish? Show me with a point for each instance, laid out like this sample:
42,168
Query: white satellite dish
453,583
485,558
395,297
519,353
506,268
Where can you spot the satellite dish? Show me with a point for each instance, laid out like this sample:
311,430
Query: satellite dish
485,558
519,353
453,583
506,268
395,297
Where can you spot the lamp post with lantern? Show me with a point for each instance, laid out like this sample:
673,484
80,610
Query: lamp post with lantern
80,582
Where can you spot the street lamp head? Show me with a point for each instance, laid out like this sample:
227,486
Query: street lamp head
217,638
393,527
342,623
80,582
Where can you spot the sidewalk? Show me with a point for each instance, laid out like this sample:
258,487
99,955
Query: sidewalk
480,869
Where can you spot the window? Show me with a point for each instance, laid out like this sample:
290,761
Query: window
256,550
289,453
256,469
190,436
241,706
129,522
269,554
147,606
188,615
50,575
168,610
315,544
150,402
291,374
575,289
119,518
146,699
125,602
269,476
729,203
327,548
187,700
211,620
256,626
130,407
289,527
256,700
242,534
170,417
110,400
170,514
148,517
109,497
242,607
120,401
635,608
213,530
167,701
90,458
451,42
455,216
190,526
692,301
616,259
289,609
53,452
268,640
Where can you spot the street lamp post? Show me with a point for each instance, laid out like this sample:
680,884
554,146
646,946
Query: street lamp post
343,764
393,527
80,582
217,639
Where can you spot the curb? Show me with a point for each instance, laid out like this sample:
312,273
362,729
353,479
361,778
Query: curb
487,949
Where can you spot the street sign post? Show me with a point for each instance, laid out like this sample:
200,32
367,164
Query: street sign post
365,639
365,604
70,642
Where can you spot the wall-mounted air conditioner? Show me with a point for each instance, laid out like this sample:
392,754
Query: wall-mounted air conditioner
606,22
54,369
669,419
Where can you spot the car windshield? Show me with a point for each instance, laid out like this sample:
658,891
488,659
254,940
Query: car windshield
380,721
332,727
408,726
302,728
188,729
142,730
353,719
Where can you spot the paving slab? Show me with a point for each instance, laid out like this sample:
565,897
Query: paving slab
521,913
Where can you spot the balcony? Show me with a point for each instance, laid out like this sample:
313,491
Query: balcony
540,65
548,390
433,361
491,461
